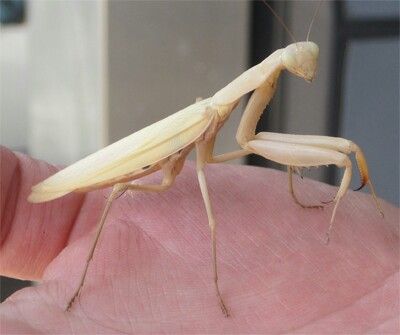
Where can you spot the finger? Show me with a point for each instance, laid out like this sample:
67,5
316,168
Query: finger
31,234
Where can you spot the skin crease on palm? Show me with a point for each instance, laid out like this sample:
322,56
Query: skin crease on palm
151,272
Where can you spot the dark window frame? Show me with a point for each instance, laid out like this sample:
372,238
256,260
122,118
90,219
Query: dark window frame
347,30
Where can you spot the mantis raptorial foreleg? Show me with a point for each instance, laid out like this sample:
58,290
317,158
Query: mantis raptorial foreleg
202,153
291,190
292,150
333,143
169,176
302,155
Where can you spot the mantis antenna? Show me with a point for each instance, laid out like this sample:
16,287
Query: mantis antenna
313,18
280,20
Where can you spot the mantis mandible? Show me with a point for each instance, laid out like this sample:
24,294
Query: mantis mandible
166,144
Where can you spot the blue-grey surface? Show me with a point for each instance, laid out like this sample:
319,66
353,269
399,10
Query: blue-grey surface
372,9
12,11
371,110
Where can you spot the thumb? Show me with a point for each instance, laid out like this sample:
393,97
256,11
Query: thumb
31,235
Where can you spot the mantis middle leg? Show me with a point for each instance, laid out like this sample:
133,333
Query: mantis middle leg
202,152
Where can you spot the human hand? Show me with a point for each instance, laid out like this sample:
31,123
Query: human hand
151,271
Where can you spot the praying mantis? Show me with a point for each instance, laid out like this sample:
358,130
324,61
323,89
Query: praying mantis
166,144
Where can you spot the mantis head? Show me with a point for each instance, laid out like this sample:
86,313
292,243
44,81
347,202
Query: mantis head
301,59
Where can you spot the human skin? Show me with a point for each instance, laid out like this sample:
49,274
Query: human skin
151,271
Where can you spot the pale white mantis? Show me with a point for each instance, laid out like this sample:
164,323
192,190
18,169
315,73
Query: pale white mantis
166,144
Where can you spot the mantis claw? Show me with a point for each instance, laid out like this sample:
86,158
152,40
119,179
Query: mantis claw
327,238
311,206
327,202
224,310
359,188
72,300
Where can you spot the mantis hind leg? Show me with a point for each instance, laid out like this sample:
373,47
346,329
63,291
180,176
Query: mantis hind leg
171,169
114,194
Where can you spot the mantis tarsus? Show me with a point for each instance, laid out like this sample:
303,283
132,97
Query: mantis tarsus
166,144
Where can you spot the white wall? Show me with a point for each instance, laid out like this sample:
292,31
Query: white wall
66,79
13,87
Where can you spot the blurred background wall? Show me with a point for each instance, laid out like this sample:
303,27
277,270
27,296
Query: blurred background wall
77,75
13,79
67,48
162,55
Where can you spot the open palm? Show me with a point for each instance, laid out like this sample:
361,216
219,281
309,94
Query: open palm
151,272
